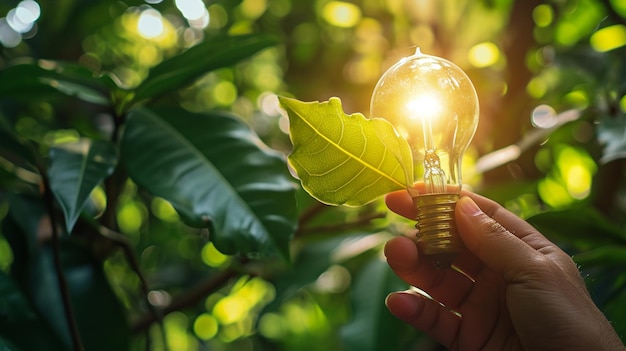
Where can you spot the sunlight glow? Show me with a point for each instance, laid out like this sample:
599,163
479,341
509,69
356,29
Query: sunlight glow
483,54
194,11
150,24
341,14
424,107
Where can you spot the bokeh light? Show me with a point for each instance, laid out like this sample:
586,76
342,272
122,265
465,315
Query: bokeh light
150,24
484,54
341,14
543,15
205,326
19,23
609,38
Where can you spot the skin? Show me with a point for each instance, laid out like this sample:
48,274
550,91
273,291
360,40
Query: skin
514,289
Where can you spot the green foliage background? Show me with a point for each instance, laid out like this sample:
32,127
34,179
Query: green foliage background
145,200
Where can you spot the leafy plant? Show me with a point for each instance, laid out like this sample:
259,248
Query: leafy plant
57,283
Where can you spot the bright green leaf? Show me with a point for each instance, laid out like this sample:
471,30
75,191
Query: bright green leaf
182,70
345,159
215,171
76,169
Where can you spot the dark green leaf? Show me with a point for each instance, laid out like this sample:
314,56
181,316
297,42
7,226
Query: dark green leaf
46,77
316,257
14,308
612,134
19,324
182,70
5,345
605,255
75,170
373,327
100,317
581,228
215,170
11,148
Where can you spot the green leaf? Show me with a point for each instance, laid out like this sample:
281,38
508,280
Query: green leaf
316,257
215,170
75,170
345,159
20,325
580,228
182,70
12,148
100,317
373,327
48,77
611,133
90,291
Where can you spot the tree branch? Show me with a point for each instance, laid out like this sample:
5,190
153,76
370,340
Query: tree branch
366,219
187,299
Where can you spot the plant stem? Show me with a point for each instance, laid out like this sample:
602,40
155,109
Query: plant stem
363,220
56,251
187,299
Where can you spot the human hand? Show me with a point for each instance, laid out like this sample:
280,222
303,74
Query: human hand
510,289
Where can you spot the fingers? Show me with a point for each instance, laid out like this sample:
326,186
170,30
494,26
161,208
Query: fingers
447,286
401,203
493,241
426,315
491,227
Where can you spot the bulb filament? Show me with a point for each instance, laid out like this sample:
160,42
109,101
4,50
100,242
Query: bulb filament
434,176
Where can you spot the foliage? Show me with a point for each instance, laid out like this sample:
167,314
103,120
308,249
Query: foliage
145,200
345,160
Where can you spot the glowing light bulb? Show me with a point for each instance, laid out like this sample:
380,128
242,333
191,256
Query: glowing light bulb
432,104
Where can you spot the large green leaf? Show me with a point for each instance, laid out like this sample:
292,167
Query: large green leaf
75,170
345,159
215,170
182,70
373,327
47,77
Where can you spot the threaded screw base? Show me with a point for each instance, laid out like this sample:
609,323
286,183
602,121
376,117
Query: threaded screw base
437,236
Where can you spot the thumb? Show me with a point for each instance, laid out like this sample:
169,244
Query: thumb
496,246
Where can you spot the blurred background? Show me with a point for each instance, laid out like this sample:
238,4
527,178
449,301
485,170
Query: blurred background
550,146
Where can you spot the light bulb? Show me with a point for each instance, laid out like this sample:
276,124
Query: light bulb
431,103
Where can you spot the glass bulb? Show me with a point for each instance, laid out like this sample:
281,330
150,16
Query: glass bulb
431,103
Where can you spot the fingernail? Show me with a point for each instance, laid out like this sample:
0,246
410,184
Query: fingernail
468,206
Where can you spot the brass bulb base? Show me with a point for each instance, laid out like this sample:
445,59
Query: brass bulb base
437,236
